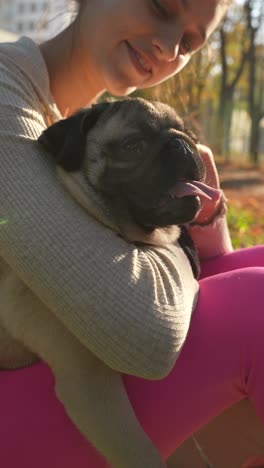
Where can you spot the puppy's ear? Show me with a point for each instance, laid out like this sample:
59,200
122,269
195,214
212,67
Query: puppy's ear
65,140
191,135
91,116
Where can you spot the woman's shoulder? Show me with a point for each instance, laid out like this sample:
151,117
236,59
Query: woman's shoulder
22,60
24,79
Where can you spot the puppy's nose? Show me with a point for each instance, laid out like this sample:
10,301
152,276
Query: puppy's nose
185,159
181,145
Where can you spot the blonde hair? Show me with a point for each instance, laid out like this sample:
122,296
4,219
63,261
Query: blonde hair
224,4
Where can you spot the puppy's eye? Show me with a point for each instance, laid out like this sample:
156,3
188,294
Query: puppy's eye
134,145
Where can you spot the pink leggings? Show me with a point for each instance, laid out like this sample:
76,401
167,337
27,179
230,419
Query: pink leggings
220,364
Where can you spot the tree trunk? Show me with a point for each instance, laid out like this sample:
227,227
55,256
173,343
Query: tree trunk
254,140
255,102
224,121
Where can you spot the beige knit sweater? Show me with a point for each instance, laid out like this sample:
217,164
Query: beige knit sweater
130,306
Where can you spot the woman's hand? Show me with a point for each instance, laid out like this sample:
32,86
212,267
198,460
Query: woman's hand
209,230
210,208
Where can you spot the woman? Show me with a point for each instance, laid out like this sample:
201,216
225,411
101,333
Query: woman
93,281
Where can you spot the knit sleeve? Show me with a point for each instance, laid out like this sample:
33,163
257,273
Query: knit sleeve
131,307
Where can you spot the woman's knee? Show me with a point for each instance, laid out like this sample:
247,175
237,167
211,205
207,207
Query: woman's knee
239,259
231,309
238,291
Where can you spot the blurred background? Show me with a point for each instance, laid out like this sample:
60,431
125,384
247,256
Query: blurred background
220,94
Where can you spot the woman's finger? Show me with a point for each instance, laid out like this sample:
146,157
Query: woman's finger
212,177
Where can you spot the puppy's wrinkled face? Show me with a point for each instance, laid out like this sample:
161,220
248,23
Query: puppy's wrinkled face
138,156
145,158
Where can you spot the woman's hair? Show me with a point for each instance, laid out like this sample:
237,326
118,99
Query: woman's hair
225,3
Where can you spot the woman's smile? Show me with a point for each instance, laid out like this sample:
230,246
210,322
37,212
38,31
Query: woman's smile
141,64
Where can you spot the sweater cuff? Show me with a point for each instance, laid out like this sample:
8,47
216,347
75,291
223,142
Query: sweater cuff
213,239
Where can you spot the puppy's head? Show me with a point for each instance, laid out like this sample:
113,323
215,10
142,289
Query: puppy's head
138,156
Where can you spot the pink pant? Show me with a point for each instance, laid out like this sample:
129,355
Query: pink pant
220,364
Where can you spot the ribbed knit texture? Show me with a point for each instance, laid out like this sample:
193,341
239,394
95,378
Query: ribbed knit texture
130,306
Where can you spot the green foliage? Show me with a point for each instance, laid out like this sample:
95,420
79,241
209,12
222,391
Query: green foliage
245,227
3,222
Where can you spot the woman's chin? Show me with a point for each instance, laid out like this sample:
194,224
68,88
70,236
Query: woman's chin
120,81
118,92
119,86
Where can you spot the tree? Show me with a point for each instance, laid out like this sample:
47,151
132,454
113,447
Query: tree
233,51
188,91
255,13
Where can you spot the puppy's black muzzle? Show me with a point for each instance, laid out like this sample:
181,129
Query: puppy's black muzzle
155,199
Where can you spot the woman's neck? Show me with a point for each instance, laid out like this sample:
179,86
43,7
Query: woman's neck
72,86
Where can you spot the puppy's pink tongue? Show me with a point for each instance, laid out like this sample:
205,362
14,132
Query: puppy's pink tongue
196,189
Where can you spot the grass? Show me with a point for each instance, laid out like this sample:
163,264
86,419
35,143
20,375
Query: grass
246,226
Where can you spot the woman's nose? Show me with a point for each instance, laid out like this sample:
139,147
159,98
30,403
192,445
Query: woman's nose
166,46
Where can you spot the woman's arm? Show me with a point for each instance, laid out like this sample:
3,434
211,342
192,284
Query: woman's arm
213,239
210,230
129,306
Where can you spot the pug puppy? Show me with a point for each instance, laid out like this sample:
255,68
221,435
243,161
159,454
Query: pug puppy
134,167
142,176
